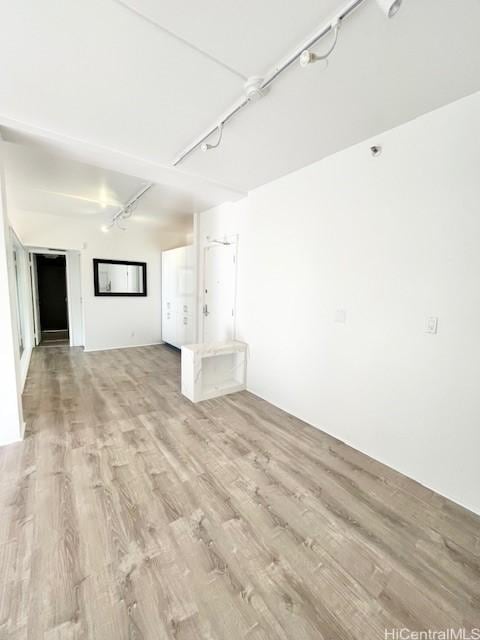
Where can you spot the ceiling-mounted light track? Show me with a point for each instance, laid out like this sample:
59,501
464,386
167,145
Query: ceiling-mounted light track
127,210
389,7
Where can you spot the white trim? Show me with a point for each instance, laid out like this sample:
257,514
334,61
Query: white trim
127,346
8,442
24,366
362,450
76,324
198,284
32,267
68,278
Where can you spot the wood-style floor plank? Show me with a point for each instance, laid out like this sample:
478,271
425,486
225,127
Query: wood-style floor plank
128,512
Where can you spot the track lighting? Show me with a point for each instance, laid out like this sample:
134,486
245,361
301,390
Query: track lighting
126,211
308,57
206,147
256,87
389,7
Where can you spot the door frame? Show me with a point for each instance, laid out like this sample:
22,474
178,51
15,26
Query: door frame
75,316
32,263
231,240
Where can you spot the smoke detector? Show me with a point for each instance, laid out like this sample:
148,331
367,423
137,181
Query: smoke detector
253,88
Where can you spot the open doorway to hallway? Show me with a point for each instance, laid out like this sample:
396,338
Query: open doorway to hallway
56,297
52,299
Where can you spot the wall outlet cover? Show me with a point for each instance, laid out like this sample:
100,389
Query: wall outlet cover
340,316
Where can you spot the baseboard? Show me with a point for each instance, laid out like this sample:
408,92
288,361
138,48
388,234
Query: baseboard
127,346
5,443
454,499
24,368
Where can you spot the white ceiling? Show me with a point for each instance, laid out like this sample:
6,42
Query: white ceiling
42,180
128,87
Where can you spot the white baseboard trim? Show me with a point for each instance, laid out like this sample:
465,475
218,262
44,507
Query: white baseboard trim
127,346
453,498
24,368
5,443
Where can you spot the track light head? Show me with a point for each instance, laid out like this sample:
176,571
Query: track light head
389,7
306,58
206,147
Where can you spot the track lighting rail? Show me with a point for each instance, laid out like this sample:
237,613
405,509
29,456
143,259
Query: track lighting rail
127,210
270,78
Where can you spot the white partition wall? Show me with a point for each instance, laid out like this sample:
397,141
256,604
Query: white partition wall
342,266
11,418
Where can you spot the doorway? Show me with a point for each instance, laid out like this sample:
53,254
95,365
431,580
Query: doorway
51,277
219,292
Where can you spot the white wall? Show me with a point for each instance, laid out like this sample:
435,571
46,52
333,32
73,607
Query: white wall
391,240
11,419
25,301
108,322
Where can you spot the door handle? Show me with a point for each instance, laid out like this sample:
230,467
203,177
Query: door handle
205,310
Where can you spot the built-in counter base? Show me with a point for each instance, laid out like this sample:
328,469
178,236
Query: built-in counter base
213,370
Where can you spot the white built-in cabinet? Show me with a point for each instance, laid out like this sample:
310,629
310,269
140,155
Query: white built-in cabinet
178,296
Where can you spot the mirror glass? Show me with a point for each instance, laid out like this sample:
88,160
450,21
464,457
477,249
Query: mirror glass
119,278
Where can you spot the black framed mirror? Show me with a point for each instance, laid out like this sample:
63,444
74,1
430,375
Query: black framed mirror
119,278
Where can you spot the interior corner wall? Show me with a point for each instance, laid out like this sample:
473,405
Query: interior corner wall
383,243
109,322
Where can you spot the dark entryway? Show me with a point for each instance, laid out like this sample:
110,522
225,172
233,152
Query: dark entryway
52,297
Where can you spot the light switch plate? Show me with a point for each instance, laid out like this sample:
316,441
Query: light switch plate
340,316
431,324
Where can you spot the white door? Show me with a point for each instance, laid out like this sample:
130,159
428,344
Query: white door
219,293
74,297
168,297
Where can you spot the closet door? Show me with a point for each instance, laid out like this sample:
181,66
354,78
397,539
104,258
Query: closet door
169,321
186,296
178,296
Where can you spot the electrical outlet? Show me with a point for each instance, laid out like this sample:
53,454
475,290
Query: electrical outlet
431,324
340,316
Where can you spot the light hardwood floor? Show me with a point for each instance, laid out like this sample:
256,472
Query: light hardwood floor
129,512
